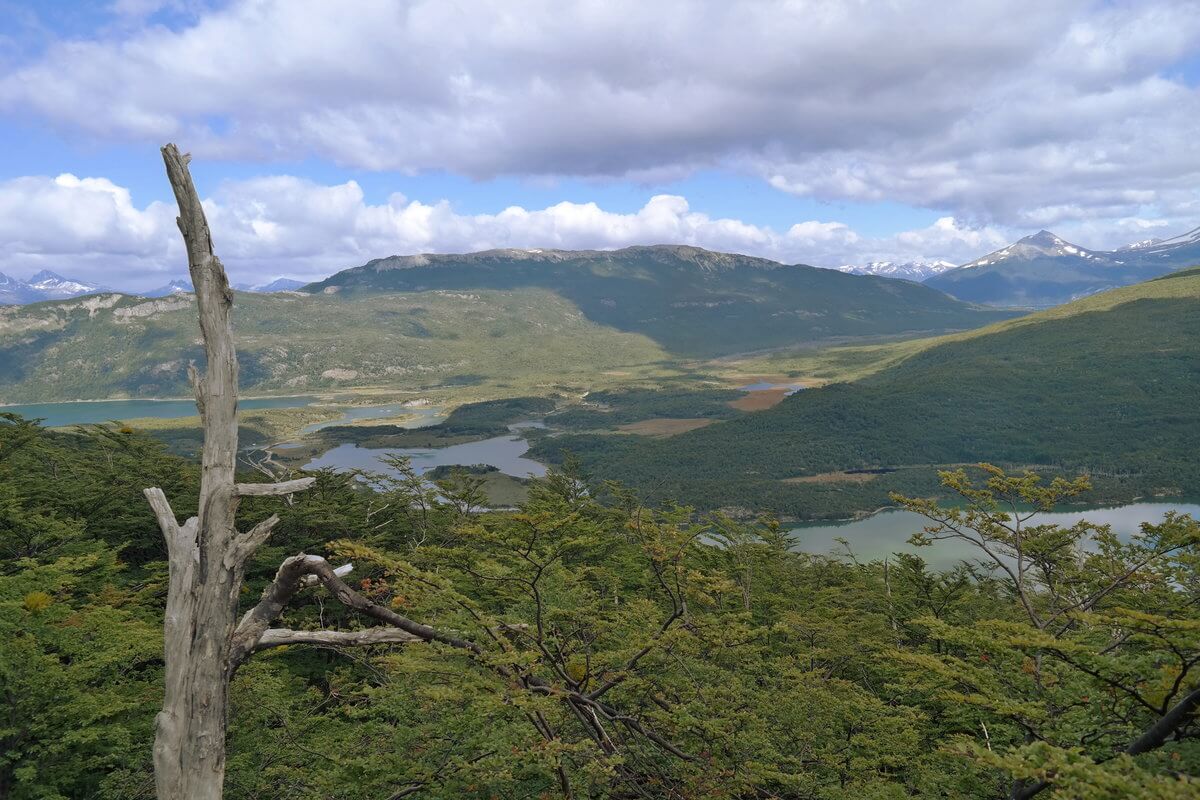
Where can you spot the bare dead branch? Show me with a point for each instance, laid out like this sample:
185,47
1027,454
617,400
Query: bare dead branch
281,637
245,545
162,511
273,489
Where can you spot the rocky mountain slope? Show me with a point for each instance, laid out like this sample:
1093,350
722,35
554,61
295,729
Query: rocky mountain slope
422,320
1044,270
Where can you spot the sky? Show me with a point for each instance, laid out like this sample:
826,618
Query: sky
824,132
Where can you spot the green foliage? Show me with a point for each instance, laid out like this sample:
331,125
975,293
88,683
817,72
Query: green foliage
759,672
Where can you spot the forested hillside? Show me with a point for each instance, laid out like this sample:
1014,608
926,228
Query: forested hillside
1103,385
764,672
693,302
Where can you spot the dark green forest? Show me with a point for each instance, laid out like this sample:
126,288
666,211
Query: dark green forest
1104,386
693,302
722,663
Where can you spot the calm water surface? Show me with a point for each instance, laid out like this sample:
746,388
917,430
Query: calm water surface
85,413
505,453
763,386
422,416
887,532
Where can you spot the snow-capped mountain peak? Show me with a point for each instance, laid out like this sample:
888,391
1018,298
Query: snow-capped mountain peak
45,285
177,286
1143,244
55,287
906,270
1192,237
1038,245
277,285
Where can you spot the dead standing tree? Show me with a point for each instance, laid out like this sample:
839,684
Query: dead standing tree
204,641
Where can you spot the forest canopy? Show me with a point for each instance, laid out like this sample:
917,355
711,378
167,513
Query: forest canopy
761,671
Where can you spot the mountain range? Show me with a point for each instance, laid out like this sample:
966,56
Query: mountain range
1038,271
693,302
45,285
427,320
905,270
1044,270
184,285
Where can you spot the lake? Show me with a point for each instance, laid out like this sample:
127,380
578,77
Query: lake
763,386
887,532
86,412
421,416
505,453
89,412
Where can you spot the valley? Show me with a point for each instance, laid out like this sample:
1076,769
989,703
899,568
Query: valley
400,355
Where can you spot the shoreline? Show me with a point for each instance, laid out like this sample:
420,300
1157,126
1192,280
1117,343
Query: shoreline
157,400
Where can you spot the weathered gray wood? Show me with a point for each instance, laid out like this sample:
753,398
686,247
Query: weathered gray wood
281,637
189,748
273,489
206,554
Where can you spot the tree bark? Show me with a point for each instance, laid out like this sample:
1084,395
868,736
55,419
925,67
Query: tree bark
206,554
189,746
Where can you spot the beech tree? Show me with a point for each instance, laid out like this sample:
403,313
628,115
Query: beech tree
206,641
1102,663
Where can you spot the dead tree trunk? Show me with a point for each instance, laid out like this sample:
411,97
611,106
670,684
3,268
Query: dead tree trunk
206,554
205,572
204,642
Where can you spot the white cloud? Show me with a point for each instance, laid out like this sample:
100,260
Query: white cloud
83,226
1015,112
263,228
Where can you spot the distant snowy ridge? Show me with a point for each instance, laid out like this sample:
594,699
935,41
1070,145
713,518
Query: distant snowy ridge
277,285
45,285
177,286
906,270
1044,270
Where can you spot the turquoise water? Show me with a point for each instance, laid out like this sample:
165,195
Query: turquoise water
422,416
762,386
505,453
84,413
887,532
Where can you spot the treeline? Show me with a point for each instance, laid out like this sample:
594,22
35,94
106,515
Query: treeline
742,669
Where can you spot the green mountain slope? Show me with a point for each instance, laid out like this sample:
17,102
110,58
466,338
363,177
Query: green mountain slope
546,317
119,346
1106,384
693,302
